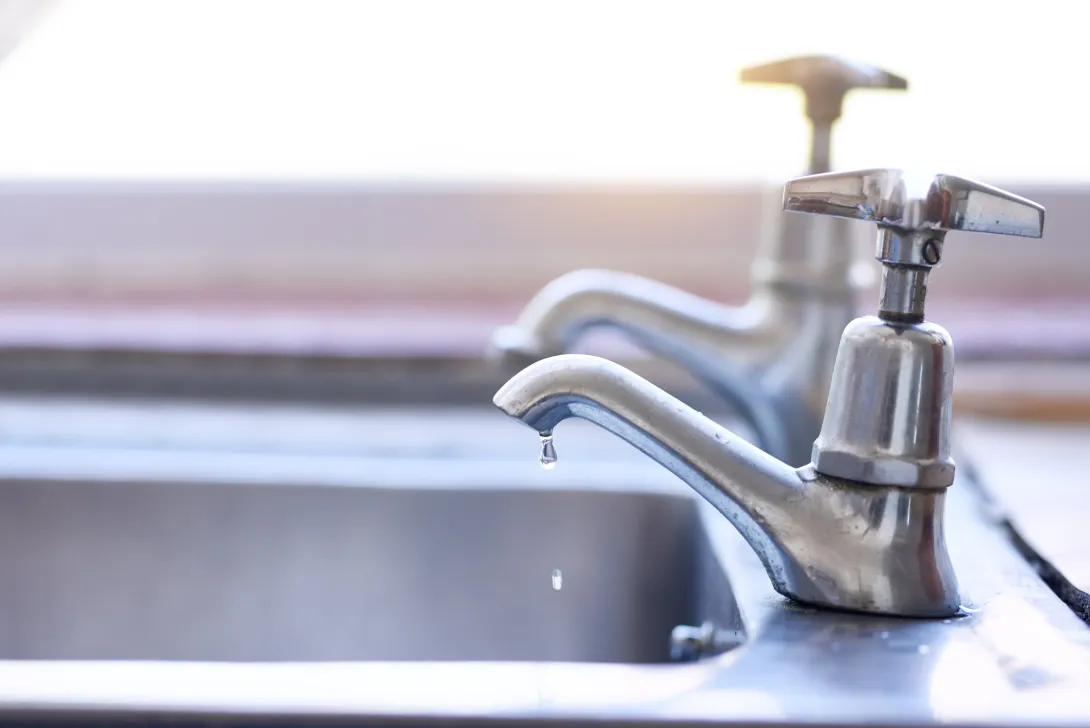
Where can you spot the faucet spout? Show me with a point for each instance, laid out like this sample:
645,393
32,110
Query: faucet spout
720,345
822,540
768,360
654,313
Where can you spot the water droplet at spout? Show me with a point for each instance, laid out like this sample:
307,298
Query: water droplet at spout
558,579
548,452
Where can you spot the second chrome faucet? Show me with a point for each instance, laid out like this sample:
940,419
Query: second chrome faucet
771,360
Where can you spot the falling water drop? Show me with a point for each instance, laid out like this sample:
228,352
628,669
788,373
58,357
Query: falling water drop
558,579
548,451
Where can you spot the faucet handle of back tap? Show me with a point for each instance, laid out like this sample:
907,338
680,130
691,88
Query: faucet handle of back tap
824,81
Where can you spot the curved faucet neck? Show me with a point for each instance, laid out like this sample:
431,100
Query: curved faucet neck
768,360
742,482
822,541
569,305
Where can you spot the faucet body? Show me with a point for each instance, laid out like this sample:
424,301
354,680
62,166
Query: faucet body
824,541
861,526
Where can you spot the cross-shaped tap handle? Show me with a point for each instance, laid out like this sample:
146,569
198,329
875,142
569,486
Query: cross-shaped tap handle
825,81
913,202
913,212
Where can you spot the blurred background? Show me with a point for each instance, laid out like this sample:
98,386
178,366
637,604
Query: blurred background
404,175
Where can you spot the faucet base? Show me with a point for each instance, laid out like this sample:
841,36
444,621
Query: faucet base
873,549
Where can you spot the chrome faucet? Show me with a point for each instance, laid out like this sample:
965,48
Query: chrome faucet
771,360
861,526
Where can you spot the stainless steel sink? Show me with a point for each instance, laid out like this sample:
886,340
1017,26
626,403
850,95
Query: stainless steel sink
290,571
180,565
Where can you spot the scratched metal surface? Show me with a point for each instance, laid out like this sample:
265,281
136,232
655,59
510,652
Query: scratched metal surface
1018,657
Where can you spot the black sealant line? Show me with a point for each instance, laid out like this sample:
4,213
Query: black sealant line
1076,599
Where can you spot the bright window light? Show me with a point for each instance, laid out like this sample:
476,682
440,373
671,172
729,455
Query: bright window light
557,90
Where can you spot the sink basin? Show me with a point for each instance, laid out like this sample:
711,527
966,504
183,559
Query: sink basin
206,570
170,582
